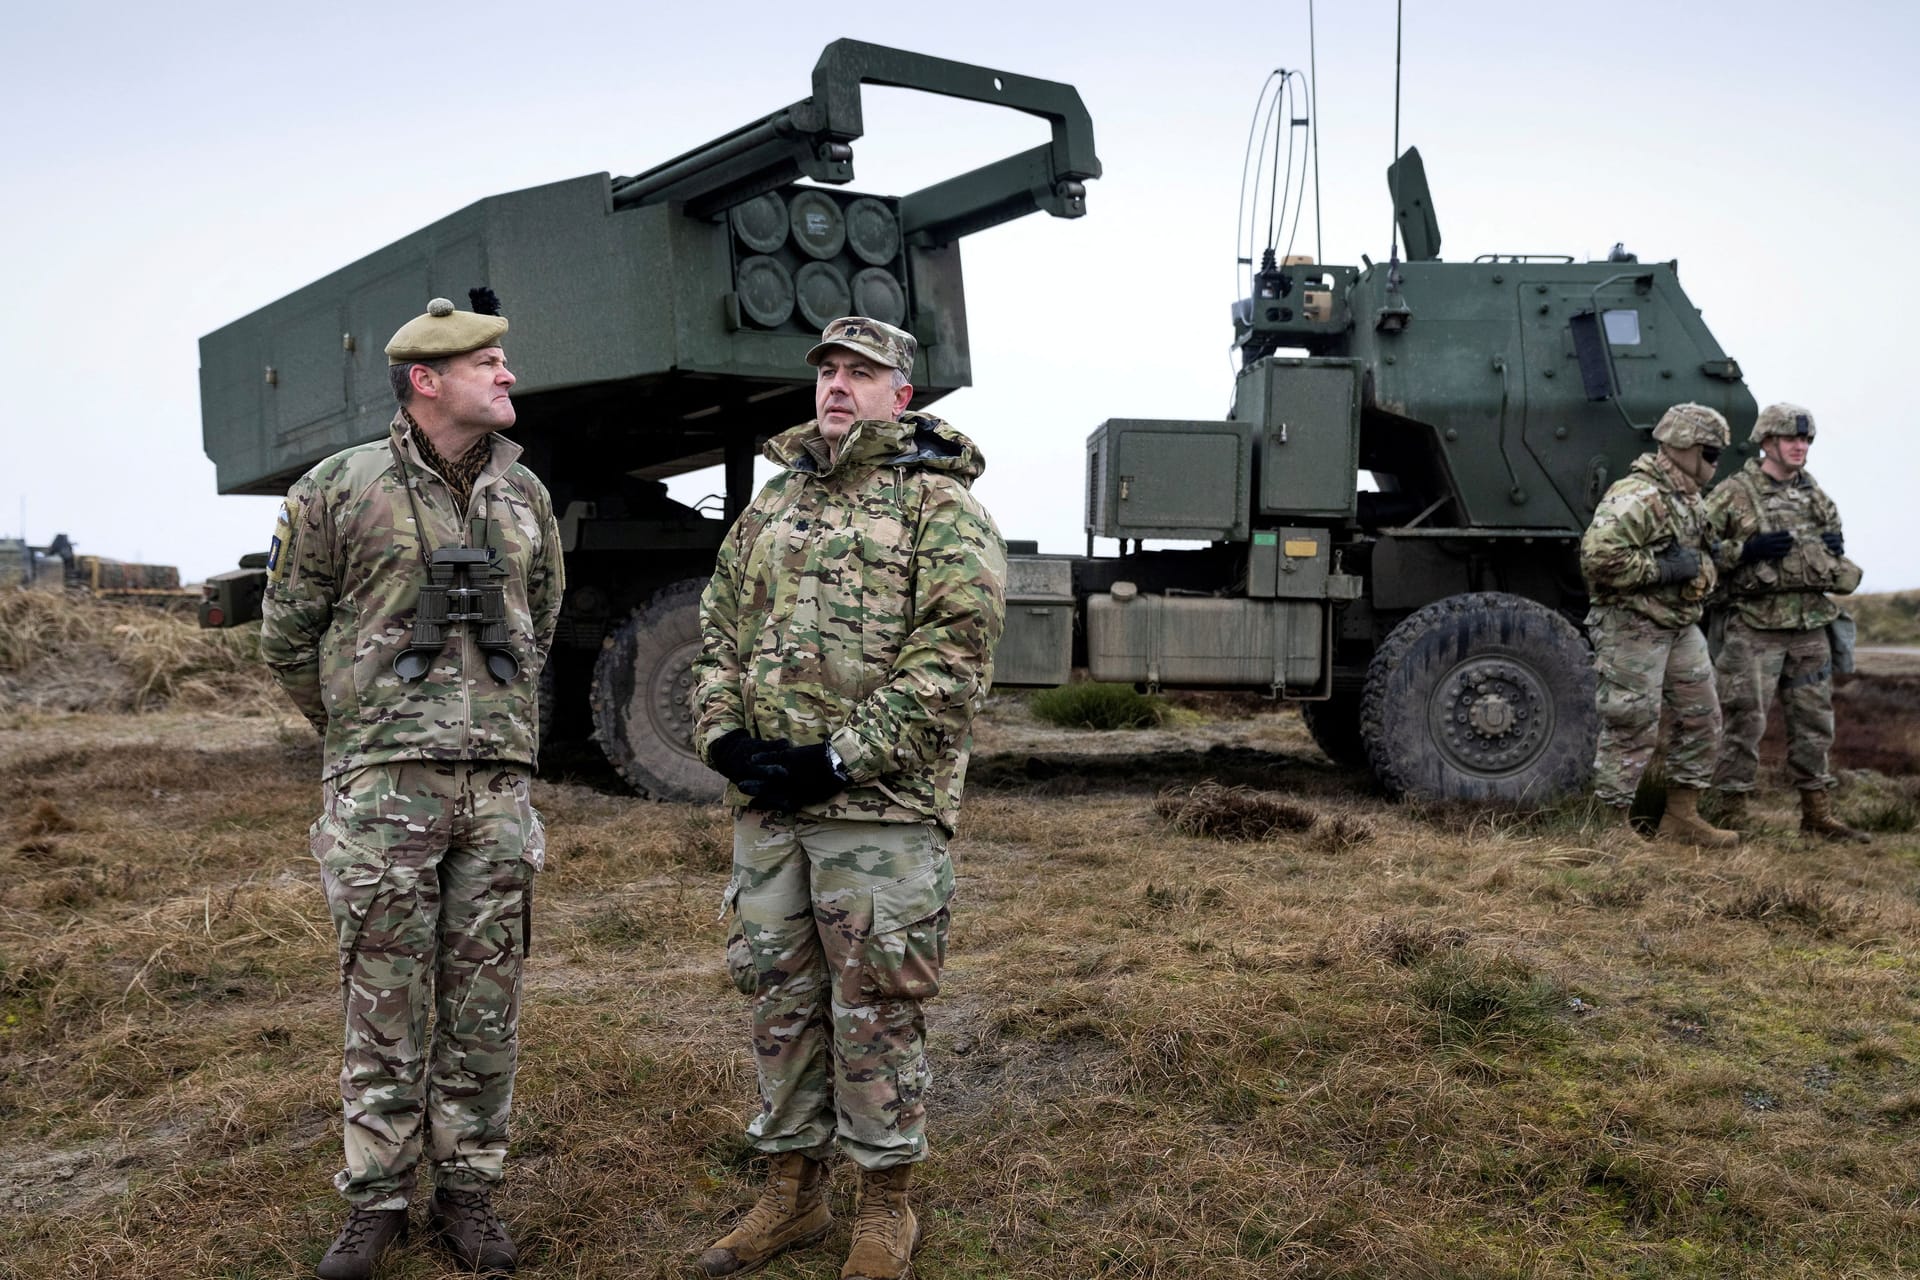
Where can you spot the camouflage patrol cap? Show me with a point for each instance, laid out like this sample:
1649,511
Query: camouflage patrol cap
442,331
1782,420
1691,424
876,340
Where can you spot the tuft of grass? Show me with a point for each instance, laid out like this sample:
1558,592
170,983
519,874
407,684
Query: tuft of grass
1806,903
1488,999
1407,942
1098,706
1231,813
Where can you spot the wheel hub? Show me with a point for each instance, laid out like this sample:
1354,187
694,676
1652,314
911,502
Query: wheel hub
670,699
1492,715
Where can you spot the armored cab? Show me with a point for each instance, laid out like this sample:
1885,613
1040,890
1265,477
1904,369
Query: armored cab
660,325
1392,511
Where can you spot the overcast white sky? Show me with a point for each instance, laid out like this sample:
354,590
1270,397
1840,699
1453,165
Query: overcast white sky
170,168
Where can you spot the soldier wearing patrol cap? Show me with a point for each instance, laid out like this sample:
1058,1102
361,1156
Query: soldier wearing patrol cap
847,643
413,587
1782,554
1649,565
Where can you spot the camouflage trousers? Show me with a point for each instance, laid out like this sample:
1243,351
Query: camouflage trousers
428,870
839,935
1752,664
1643,668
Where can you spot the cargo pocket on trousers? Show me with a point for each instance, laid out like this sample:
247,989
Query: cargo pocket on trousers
746,980
350,875
907,945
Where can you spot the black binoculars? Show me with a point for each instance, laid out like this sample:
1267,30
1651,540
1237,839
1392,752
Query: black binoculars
461,586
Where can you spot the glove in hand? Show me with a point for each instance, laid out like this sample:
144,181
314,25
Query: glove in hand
1835,543
735,755
1766,546
794,778
1676,563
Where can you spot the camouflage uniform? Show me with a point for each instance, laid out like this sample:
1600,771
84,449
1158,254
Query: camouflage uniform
1777,615
1648,648
856,601
427,841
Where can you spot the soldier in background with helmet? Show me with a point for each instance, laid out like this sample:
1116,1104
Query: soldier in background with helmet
413,586
1648,562
1781,552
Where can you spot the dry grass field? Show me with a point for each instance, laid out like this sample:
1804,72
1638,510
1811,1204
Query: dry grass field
1215,1009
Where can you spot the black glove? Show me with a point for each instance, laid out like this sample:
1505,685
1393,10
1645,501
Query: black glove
735,754
1675,563
1835,543
795,778
1766,546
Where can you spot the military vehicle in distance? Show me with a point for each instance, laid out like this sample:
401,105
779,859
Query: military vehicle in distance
1426,620
660,326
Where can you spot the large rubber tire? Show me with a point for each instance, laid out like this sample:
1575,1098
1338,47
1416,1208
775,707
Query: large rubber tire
1335,726
643,698
1486,696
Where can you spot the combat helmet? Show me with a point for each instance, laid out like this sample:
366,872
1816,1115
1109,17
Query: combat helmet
1691,424
1782,420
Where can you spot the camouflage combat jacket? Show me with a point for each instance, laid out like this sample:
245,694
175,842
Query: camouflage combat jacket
1649,507
859,602
1788,594
343,576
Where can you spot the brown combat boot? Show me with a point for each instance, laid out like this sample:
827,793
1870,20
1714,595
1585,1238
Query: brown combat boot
1684,825
1816,819
885,1232
467,1225
791,1212
369,1233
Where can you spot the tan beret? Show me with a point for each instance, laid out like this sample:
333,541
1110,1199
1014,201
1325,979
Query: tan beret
442,331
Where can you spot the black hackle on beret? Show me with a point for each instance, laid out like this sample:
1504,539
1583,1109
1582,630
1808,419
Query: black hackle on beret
485,301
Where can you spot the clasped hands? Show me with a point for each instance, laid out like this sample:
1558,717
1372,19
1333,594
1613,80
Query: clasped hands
777,774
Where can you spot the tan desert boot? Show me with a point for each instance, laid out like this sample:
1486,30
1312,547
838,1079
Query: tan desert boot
791,1212
1816,819
1684,825
885,1232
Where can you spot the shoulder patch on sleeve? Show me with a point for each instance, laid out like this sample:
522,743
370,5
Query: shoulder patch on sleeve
280,550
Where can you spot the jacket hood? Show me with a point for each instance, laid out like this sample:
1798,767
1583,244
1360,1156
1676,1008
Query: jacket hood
916,440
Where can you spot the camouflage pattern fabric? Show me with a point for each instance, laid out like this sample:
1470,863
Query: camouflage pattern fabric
1788,594
428,872
1652,505
857,600
1643,666
345,569
1751,665
839,934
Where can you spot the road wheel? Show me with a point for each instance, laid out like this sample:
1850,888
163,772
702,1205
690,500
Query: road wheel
1335,726
643,697
1486,696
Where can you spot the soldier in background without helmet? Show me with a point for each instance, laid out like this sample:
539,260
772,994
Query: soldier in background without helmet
1648,562
846,645
427,839
1781,552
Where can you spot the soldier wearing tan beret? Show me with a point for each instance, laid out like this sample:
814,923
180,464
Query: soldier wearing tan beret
413,588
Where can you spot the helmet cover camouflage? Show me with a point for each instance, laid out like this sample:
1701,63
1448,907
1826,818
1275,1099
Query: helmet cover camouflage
1691,424
1782,420
876,340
